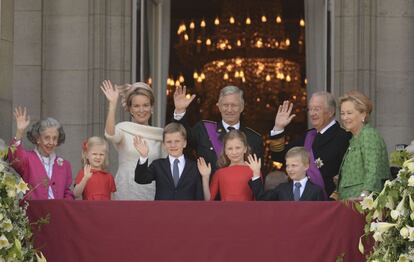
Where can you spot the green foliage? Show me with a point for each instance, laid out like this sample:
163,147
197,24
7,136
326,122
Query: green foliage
15,230
397,158
389,217
340,258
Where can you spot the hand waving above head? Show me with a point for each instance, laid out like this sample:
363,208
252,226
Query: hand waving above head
284,116
22,121
111,93
181,102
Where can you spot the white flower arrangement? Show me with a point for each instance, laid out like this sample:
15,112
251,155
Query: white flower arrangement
389,216
15,231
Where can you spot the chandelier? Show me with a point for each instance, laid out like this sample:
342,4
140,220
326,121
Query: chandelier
248,44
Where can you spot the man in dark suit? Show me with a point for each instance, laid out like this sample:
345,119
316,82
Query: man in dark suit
299,188
176,177
206,136
327,146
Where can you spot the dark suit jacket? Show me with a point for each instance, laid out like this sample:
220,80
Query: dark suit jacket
199,141
284,192
189,186
330,147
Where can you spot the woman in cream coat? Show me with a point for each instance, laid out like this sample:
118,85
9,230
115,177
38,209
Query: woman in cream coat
138,100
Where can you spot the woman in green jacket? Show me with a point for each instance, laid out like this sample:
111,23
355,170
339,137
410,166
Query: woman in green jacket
365,165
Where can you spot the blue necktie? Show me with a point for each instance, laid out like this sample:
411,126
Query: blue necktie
176,172
296,191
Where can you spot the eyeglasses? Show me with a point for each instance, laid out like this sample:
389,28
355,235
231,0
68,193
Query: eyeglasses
314,109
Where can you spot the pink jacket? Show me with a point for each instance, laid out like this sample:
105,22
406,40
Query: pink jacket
31,169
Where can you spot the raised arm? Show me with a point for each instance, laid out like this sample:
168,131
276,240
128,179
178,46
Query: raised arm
143,173
112,95
79,188
141,146
284,116
205,171
22,121
17,155
181,102
259,192
255,164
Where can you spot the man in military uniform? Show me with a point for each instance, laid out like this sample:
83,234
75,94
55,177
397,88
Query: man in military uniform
326,142
206,136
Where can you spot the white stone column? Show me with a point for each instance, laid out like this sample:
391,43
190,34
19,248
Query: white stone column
6,67
394,76
27,77
316,45
65,90
373,53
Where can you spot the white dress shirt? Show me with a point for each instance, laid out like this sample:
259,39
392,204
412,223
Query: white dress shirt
226,126
181,164
48,162
302,182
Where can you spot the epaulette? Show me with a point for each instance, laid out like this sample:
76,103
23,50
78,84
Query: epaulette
253,131
277,145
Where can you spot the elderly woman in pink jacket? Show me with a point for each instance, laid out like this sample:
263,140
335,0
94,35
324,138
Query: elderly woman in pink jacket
49,176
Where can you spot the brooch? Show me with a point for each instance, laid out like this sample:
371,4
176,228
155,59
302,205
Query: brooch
319,162
59,161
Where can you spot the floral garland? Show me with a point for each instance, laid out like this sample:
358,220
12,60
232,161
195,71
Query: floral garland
389,217
15,229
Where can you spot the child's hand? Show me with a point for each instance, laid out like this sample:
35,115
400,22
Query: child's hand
203,168
254,163
87,171
141,146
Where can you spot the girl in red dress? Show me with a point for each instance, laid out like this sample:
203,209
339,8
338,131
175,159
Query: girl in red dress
92,182
236,168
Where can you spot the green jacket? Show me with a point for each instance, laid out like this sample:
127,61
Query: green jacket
365,164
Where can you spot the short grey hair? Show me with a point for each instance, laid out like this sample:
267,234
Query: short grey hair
229,90
329,98
40,126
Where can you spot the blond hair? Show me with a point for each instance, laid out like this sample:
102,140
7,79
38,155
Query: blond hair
129,91
174,127
361,102
298,151
95,141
